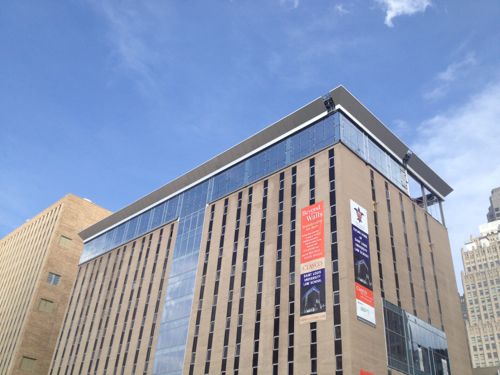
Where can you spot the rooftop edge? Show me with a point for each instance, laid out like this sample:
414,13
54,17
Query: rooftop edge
340,95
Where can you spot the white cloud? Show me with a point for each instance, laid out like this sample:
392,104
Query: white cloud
136,31
290,3
444,79
461,145
341,9
395,8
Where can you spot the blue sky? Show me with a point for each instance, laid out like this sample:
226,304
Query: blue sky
112,99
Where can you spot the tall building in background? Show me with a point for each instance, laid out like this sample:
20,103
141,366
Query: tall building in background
481,282
38,265
494,209
316,246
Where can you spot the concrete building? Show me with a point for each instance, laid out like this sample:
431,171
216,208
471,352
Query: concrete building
494,209
298,251
38,265
481,282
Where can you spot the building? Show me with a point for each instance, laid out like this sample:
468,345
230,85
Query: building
283,255
38,265
486,371
481,282
494,209
463,305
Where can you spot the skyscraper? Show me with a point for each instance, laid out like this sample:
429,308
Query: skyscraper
494,209
38,265
316,246
481,282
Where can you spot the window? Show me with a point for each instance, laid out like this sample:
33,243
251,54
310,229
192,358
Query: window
53,279
45,305
28,364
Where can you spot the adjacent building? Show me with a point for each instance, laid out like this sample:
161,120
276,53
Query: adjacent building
38,265
463,305
316,246
494,208
481,282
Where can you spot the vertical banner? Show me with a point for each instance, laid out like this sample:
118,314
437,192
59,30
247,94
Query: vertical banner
365,305
312,264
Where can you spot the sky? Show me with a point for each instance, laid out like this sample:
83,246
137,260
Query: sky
112,99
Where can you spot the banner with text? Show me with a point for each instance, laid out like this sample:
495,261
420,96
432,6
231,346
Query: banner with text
312,264
365,304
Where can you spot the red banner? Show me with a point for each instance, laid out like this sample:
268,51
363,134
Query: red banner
365,295
312,236
364,372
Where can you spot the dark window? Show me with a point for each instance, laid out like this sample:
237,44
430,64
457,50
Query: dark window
53,279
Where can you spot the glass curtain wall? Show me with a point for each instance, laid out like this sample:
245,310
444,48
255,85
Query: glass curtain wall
414,347
312,139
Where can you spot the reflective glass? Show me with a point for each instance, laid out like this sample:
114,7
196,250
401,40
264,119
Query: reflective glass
292,149
414,347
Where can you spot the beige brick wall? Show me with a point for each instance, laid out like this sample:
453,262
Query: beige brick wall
27,256
111,316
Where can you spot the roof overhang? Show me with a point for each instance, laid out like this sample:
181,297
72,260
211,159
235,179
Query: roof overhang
342,98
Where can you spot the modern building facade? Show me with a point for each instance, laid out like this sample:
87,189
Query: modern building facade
38,265
494,208
309,248
481,282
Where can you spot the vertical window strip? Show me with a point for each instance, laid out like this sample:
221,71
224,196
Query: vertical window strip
260,276
158,299
129,304
419,246
115,256
202,289
337,328
431,246
216,287
231,285
408,260
139,286
93,319
147,302
291,286
119,309
313,326
377,235
71,321
278,271
393,246
107,310
241,302
83,315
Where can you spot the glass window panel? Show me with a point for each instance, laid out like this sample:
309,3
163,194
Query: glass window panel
120,232
157,215
131,229
144,223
